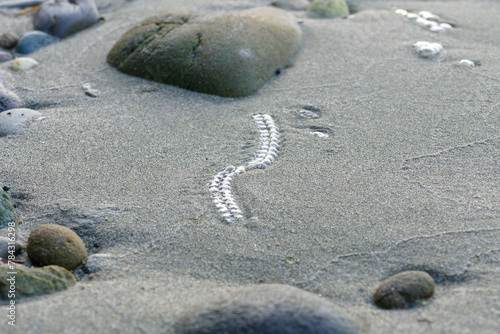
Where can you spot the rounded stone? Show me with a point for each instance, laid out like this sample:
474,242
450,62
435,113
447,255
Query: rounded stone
266,309
8,40
34,40
55,244
403,288
291,4
15,121
34,281
5,56
9,100
230,55
329,8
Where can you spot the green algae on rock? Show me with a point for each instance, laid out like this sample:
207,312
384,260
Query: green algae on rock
230,55
291,4
403,288
34,281
329,8
55,244
6,208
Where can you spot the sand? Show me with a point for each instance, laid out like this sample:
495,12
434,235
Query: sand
408,177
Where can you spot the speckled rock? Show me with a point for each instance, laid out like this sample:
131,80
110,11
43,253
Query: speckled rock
56,244
6,208
403,288
266,309
291,4
230,55
34,40
8,40
9,100
34,281
15,121
5,56
329,8
4,248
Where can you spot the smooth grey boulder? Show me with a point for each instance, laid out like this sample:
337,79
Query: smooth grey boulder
266,309
15,121
230,55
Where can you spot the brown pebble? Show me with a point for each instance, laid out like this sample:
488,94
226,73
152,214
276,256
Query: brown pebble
8,40
55,244
403,288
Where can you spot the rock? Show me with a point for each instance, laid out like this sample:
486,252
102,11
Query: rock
9,100
6,208
55,244
230,55
34,40
15,121
329,8
5,56
63,18
291,4
266,309
35,281
8,40
428,49
23,64
403,288
4,248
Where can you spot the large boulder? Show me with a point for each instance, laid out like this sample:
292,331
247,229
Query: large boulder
230,55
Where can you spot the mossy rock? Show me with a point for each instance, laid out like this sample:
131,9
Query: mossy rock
230,55
55,244
34,281
329,8
291,4
6,208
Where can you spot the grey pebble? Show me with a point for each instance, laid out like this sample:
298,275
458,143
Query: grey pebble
5,56
15,121
34,40
266,309
9,100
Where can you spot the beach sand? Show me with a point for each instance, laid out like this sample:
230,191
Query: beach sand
408,177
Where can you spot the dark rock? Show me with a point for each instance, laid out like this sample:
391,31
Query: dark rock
266,309
6,208
63,18
8,40
34,40
9,100
55,244
230,55
403,288
34,281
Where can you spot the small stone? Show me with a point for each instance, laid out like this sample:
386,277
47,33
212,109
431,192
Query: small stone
55,244
266,309
428,49
466,63
5,56
329,8
403,288
14,121
4,247
89,91
230,55
63,18
34,40
320,134
8,40
9,100
23,64
6,208
34,281
291,4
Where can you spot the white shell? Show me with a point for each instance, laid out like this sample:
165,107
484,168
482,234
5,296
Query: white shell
466,63
401,12
320,134
23,63
428,49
